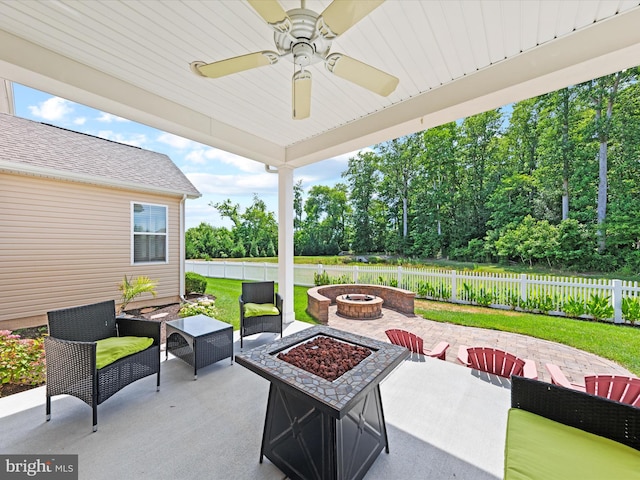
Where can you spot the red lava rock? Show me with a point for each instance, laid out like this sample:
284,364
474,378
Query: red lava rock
325,357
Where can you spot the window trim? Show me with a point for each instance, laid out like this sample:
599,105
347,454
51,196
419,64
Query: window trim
134,233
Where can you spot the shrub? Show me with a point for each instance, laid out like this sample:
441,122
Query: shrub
194,283
631,309
513,299
21,359
201,307
321,279
599,307
573,307
484,297
324,279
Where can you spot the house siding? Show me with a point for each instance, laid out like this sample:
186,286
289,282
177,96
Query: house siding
64,244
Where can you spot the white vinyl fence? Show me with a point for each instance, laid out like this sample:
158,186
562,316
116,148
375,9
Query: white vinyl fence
499,290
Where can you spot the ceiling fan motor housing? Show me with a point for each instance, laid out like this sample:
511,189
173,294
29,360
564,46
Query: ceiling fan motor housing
302,40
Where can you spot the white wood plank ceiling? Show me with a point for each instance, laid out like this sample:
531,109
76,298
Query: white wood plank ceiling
453,58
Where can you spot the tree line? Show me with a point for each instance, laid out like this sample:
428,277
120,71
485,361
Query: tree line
551,180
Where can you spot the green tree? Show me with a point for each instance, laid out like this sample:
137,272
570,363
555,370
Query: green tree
206,241
324,229
399,166
253,230
435,192
362,177
477,147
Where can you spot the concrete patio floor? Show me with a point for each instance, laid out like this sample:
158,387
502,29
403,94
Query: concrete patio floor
444,421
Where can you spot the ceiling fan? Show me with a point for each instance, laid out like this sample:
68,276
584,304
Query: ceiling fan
304,37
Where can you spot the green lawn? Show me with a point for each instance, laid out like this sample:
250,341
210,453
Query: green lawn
619,343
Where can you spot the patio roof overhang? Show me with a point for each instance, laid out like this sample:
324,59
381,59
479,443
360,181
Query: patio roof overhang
453,59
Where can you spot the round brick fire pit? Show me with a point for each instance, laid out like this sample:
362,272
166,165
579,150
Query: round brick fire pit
359,306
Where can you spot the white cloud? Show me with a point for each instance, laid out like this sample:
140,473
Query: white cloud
203,156
234,185
55,108
135,139
80,121
175,141
108,118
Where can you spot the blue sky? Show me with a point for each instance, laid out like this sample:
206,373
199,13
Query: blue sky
217,174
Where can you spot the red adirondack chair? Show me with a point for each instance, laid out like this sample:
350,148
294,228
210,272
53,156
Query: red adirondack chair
615,387
497,362
415,344
559,378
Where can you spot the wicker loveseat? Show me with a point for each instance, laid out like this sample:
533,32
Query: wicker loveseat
558,433
71,347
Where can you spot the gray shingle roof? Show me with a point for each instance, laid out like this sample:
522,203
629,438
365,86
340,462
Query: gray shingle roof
42,148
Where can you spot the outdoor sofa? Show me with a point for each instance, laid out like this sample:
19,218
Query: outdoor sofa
559,433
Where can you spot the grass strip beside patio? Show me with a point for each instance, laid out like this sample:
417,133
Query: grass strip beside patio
619,343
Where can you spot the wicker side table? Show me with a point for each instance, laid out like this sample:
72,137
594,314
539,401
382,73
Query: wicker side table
199,341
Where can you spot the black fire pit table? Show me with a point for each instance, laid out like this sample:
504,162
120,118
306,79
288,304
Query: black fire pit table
317,429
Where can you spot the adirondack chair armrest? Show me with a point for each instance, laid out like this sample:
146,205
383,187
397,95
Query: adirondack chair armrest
558,378
439,351
529,370
463,355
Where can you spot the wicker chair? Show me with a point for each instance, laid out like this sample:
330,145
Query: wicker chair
261,293
70,351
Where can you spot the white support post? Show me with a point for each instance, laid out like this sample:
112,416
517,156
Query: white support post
616,299
285,242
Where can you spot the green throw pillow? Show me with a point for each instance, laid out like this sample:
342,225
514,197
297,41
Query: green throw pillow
260,309
539,448
114,348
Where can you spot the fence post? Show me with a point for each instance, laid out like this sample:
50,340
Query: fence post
523,287
454,287
616,299
355,274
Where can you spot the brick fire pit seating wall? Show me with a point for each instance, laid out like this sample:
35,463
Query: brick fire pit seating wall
320,298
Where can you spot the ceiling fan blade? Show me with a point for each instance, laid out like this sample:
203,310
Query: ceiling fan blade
301,92
272,13
361,74
235,64
341,15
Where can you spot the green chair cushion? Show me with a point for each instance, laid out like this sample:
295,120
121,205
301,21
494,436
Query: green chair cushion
260,309
539,448
110,349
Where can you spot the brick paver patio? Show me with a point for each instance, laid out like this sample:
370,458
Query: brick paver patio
575,363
